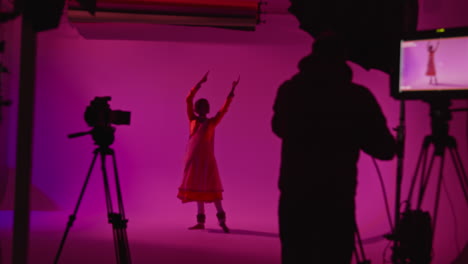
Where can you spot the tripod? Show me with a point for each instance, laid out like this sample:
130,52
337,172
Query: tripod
104,136
359,253
415,232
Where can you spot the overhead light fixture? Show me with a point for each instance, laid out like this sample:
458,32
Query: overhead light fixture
233,14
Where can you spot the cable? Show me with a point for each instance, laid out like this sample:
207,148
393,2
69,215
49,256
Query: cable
455,222
384,258
466,129
387,208
374,239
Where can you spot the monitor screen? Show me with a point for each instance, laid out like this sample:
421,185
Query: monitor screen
433,64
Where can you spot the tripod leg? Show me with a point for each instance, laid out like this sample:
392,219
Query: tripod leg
421,160
106,181
356,249
120,239
110,211
420,169
401,251
425,180
437,198
460,171
364,260
117,184
73,216
124,249
356,255
116,219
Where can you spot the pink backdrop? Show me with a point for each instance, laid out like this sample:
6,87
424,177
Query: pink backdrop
152,78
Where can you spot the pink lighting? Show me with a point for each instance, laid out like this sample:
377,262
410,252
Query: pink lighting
149,72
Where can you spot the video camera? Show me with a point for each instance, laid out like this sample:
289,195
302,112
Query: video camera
99,113
100,116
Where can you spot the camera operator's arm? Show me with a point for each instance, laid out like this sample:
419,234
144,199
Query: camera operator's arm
376,138
280,110
226,104
191,95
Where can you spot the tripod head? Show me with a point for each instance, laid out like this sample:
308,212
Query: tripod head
102,136
100,116
440,114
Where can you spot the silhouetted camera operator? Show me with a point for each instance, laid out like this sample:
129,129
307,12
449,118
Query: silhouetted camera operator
324,121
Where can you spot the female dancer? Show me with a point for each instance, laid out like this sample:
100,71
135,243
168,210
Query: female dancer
201,182
431,69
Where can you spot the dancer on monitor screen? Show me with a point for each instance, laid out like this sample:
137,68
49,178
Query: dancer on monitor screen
201,182
431,68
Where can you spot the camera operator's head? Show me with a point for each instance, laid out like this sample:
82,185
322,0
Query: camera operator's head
331,45
328,58
202,107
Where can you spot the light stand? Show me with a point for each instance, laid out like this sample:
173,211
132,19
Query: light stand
400,143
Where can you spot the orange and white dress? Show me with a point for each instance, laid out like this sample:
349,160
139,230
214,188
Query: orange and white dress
201,181
431,68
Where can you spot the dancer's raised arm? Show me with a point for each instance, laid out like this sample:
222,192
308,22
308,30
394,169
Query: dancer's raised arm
437,45
191,95
226,104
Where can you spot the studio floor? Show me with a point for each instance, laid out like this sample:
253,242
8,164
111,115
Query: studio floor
154,240
158,241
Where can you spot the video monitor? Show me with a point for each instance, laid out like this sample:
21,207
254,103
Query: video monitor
432,64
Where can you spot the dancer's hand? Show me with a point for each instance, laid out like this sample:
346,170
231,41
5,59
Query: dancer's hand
234,85
204,79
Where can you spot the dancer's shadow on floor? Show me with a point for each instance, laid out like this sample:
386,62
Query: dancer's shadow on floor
243,232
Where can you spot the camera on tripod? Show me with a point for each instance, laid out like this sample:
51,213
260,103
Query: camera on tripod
100,116
99,113
416,78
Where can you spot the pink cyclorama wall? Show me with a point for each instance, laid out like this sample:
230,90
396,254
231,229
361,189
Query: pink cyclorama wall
151,79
